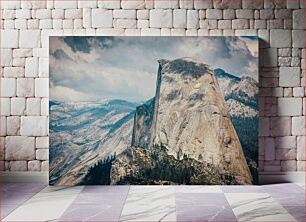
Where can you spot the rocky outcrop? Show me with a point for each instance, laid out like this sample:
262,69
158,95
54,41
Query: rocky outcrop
142,130
192,119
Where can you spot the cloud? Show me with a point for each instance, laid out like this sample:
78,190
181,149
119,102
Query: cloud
60,93
97,68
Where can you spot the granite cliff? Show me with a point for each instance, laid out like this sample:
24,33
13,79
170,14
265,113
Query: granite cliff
191,125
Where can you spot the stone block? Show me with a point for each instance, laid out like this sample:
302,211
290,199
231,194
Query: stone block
229,14
166,4
34,165
133,4
87,4
3,126
13,125
8,14
289,76
298,19
280,38
43,68
285,142
269,149
214,14
288,165
73,13
285,154
192,19
245,14
10,4
23,14
240,24
142,24
86,18
264,126
186,4
6,57
293,4
150,32
58,13
125,23
20,23
18,166
227,4
25,87
109,4
5,108
125,14
260,24
18,106
19,62
298,38
42,154
102,18
8,87
45,166
11,72
29,38
298,92
33,106
252,4
9,38
43,13
42,142
31,67
143,14
19,148
301,166
289,106
224,24
45,24
283,13
34,126
179,18
63,4
22,53
41,87
203,4
280,126
160,18
298,125
301,148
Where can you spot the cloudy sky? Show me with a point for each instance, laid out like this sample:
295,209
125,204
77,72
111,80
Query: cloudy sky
97,68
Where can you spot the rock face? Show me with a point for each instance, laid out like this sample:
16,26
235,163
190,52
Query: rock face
143,120
192,119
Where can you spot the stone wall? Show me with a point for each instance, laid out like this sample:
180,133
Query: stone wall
26,25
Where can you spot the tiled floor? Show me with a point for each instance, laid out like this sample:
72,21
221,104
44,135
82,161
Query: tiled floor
39,202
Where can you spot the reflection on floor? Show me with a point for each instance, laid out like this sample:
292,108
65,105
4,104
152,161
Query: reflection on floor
39,202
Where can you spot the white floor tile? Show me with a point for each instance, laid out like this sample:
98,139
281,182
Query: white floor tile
47,205
257,207
149,203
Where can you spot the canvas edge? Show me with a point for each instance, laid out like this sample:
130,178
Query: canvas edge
43,177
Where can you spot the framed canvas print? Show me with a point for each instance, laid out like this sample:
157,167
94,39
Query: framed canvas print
153,110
